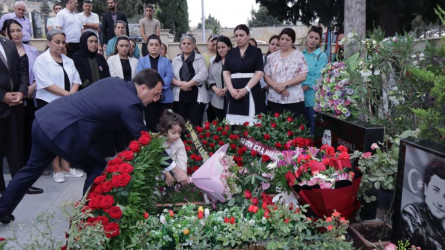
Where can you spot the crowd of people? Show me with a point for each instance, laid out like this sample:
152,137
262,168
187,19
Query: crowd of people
232,82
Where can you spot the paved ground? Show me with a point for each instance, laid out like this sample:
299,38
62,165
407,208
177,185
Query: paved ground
41,216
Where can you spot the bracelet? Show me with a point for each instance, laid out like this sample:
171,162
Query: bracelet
248,89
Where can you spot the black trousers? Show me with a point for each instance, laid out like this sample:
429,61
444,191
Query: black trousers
192,112
11,141
43,153
297,109
215,113
153,113
28,119
71,48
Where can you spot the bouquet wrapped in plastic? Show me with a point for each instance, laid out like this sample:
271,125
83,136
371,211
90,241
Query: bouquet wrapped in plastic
326,181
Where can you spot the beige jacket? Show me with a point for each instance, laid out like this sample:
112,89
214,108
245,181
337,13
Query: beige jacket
177,153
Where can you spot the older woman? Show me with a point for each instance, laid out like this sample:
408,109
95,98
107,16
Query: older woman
316,61
284,72
134,49
56,76
90,65
121,64
28,54
189,73
120,29
215,80
242,71
163,65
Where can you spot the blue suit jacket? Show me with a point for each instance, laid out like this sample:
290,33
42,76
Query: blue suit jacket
165,70
81,123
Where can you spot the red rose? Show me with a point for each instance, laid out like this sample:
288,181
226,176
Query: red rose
95,202
204,142
240,151
199,129
188,148
145,134
287,146
212,145
100,179
189,170
125,168
115,212
224,133
239,163
144,140
266,214
253,153
258,125
289,133
247,194
246,133
301,127
200,214
226,220
171,213
289,119
286,220
208,134
195,168
63,248
273,125
127,155
146,215
221,143
216,137
227,127
211,153
207,125
278,145
265,158
266,137
232,137
112,169
255,209
112,230
107,186
342,148
107,201
198,158
260,116
233,146
232,220
102,219
276,114
246,124
201,136
254,201
135,146
215,122
219,129
343,156
115,161
120,180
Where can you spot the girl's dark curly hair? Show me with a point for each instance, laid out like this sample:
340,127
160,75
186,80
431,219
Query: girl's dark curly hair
168,120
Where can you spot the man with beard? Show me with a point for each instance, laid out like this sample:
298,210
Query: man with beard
109,20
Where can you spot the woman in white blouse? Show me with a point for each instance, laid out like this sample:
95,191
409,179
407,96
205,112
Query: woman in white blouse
284,72
121,64
56,76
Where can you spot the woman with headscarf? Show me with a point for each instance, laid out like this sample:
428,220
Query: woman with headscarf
90,65
189,73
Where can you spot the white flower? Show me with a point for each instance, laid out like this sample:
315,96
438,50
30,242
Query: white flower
377,72
272,165
365,73
413,55
162,219
251,222
206,212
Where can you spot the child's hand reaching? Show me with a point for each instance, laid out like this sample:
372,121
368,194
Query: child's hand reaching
169,180
180,176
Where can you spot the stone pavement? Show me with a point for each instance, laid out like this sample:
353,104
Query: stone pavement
40,217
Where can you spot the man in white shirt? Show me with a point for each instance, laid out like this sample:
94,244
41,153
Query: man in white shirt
69,23
50,24
89,19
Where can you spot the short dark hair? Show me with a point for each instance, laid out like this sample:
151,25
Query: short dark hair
56,4
120,38
149,77
225,40
290,32
168,120
122,22
435,167
242,27
150,6
155,37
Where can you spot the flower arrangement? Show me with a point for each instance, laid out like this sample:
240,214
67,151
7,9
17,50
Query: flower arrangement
334,94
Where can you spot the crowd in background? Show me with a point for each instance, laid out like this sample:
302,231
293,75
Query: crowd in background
228,81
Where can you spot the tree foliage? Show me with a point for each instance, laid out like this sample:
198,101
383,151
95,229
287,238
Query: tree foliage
44,8
129,7
211,23
174,15
262,18
393,16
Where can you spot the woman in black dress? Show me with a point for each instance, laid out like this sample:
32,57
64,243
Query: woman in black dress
243,70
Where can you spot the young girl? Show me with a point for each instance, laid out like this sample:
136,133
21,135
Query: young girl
171,125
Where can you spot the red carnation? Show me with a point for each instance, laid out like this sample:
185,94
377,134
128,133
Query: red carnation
135,146
278,145
246,133
207,125
112,230
267,214
112,169
247,194
120,180
343,156
227,127
246,124
226,220
301,127
103,219
146,215
95,202
240,151
287,146
145,134
276,114
144,140
260,116
188,148
115,161
253,153
290,177
273,125
200,214
107,186
342,148
233,146
100,179
127,155
211,153
232,220
254,201
125,168
107,201
115,212
265,158
289,119
266,137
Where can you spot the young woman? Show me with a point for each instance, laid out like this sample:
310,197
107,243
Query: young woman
89,63
164,50
243,69
56,76
285,70
211,49
316,61
161,64
121,64
215,80
28,54
133,51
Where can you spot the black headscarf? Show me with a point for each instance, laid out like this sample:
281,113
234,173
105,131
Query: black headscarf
83,50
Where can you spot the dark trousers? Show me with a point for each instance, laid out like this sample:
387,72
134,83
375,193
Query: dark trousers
297,109
153,113
11,141
144,49
29,118
43,153
71,48
309,114
215,113
192,112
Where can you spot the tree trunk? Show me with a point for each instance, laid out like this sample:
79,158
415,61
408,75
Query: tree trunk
355,20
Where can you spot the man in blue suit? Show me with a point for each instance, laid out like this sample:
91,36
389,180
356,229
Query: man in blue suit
72,127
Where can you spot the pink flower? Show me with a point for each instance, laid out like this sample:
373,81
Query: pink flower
366,155
390,246
325,185
374,146
394,39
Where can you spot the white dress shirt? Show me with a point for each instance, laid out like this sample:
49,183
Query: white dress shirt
70,24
